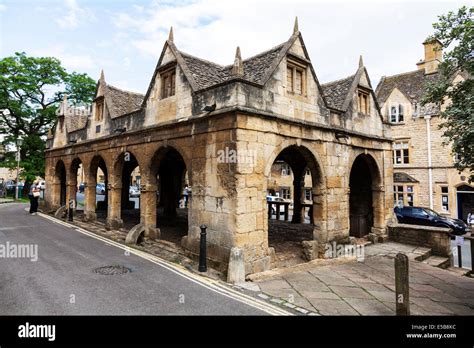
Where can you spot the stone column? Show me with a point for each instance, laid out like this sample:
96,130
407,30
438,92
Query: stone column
378,193
71,189
114,220
90,197
148,210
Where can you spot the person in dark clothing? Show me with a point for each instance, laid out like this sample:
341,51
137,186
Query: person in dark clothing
34,197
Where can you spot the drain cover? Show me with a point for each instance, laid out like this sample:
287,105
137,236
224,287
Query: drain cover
112,270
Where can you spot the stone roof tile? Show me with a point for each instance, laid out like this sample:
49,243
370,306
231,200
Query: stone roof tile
123,102
411,84
335,92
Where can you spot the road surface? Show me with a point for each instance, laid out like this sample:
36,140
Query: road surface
62,281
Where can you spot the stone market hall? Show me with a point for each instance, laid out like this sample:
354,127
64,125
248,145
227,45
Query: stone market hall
270,108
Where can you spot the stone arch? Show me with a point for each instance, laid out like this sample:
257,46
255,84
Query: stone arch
301,157
366,195
91,204
163,184
123,164
59,185
72,182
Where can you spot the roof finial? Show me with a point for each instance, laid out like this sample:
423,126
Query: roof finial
295,28
238,68
171,36
361,61
102,76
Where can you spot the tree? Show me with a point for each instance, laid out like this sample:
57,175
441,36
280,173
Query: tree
31,89
455,31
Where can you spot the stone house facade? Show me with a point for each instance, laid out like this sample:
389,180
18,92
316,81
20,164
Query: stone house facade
424,172
267,108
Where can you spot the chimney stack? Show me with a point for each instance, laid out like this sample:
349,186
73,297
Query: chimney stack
433,56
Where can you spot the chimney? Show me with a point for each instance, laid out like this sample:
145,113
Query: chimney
433,56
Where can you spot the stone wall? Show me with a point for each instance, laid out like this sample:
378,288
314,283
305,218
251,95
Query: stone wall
436,238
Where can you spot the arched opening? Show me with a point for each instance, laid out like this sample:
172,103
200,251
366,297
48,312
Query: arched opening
169,172
465,201
77,183
60,187
364,195
96,185
128,170
293,202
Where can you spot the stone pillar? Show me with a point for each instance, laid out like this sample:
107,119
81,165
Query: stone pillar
71,189
319,212
90,197
148,210
378,193
114,220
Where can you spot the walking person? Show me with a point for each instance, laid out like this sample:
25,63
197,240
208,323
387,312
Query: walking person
34,197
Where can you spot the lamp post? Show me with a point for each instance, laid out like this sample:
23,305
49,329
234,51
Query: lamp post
19,142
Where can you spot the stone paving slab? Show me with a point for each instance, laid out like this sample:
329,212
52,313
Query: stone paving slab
368,287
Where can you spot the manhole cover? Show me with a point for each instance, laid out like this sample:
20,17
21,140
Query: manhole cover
112,270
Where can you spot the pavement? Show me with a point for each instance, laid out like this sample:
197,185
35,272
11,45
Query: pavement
63,279
368,287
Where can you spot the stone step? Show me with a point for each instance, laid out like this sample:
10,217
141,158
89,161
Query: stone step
420,254
438,261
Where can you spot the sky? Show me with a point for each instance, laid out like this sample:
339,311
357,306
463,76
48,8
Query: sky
126,37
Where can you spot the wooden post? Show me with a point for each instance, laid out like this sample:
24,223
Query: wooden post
402,295
286,211
269,204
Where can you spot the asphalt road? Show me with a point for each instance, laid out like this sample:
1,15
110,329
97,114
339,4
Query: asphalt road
62,281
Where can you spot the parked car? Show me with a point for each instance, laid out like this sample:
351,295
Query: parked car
134,191
427,217
10,185
100,189
42,185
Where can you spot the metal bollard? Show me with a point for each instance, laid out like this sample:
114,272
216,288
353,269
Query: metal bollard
459,257
70,210
202,250
402,295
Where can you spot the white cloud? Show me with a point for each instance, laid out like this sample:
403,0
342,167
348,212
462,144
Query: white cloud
71,61
388,34
2,7
74,15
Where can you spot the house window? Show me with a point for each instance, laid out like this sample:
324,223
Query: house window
403,195
363,102
396,114
308,172
285,169
410,195
97,128
295,79
445,198
307,194
168,83
99,110
401,152
285,193
398,195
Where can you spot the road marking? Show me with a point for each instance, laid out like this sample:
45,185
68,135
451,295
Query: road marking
209,284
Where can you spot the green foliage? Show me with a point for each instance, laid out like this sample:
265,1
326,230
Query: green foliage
31,89
455,31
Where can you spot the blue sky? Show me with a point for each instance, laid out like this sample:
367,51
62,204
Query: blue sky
125,38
